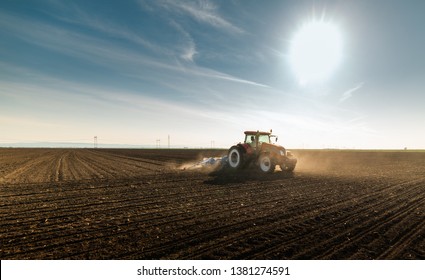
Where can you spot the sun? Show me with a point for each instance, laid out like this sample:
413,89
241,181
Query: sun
315,51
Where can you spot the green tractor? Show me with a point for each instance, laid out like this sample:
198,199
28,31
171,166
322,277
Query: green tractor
258,150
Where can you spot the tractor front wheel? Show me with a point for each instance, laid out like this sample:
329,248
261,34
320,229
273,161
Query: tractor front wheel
266,164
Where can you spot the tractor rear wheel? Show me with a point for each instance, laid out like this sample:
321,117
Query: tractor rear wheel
266,164
235,157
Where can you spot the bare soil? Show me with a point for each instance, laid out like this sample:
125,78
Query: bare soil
140,204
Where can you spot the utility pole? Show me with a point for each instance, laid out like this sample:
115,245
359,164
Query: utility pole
158,143
168,141
95,142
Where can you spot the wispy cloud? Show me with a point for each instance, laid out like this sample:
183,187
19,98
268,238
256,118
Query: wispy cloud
189,49
75,15
168,88
51,108
222,76
71,13
130,63
349,93
202,11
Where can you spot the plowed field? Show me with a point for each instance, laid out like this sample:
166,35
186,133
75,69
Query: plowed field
139,204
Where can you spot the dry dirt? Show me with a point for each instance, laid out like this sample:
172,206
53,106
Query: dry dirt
138,204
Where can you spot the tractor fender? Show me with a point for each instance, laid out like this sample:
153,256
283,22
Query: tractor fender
247,148
242,147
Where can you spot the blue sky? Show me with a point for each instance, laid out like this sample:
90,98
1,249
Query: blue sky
132,72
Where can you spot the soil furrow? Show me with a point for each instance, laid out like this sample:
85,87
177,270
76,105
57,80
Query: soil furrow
122,203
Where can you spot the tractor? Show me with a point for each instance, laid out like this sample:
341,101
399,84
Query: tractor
258,150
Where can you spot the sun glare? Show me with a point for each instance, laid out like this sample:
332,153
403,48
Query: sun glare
315,51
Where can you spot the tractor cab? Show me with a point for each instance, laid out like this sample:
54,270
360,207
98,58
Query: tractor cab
256,138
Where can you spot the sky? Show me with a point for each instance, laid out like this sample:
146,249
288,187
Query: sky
201,72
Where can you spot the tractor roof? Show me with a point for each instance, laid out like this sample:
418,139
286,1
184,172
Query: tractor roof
255,132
